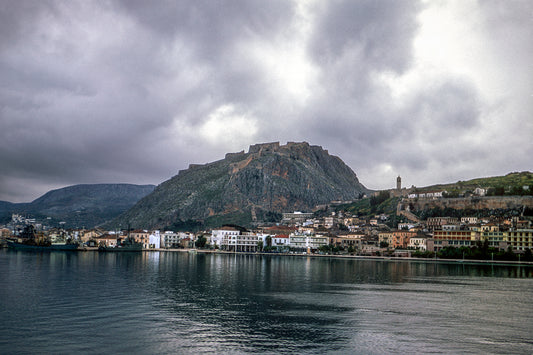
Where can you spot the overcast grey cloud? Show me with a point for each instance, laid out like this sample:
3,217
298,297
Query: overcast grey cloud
133,91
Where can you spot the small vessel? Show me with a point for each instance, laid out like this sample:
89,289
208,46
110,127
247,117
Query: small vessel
41,247
127,244
30,240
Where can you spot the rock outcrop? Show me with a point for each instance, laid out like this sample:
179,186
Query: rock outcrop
269,178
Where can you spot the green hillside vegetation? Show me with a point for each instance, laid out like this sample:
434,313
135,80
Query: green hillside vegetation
239,218
382,203
510,184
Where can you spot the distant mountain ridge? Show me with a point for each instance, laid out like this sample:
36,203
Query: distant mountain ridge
85,205
243,187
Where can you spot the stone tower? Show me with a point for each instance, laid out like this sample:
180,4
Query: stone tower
398,183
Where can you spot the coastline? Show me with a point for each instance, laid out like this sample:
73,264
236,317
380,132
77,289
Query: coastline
358,257
355,257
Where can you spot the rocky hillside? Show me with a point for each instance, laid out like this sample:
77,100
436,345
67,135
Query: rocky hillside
248,186
81,205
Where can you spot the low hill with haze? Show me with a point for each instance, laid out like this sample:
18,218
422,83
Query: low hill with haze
85,205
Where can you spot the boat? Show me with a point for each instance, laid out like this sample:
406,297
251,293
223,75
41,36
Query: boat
41,247
29,239
127,244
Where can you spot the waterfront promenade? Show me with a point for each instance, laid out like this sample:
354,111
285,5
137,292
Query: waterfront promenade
338,256
344,256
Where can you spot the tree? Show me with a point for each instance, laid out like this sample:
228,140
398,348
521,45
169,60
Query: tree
271,216
200,241
343,227
528,255
496,191
450,194
379,199
517,190
509,254
268,240
325,248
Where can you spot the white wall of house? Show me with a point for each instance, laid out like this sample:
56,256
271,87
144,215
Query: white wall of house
218,235
418,243
280,241
154,240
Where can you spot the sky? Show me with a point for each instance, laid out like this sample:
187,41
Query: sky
133,91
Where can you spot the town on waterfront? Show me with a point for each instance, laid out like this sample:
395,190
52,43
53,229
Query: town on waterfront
334,229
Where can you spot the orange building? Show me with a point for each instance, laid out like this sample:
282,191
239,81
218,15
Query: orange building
400,238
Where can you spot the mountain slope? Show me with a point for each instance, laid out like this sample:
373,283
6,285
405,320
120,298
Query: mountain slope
269,178
6,208
82,205
90,196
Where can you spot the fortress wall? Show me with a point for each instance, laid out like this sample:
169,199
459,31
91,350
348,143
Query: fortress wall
493,202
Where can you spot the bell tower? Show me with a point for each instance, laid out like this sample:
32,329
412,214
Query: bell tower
398,183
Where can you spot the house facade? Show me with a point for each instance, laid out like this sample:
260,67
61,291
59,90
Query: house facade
243,242
418,242
221,234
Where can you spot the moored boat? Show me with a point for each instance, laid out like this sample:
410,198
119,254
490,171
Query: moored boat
26,246
128,244
29,239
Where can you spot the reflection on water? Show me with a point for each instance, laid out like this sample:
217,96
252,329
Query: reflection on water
155,302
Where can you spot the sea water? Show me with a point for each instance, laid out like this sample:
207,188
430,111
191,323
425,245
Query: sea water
173,302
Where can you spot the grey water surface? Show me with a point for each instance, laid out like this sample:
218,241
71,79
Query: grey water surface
172,303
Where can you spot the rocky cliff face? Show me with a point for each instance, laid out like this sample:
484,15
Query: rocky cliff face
269,178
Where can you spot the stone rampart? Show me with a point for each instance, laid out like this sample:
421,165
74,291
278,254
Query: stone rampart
234,155
256,148
492,202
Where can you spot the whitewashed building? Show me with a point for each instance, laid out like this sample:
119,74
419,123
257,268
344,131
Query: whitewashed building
418,243
154,240
243,242
329,222
479,191
171,239
280,240
218,235
469,220
307,242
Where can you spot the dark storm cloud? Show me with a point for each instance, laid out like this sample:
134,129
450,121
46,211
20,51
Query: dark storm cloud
211,24
212,31
133,91
450,107
13,16
412,138
380,31
90,103
352,41
62,117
